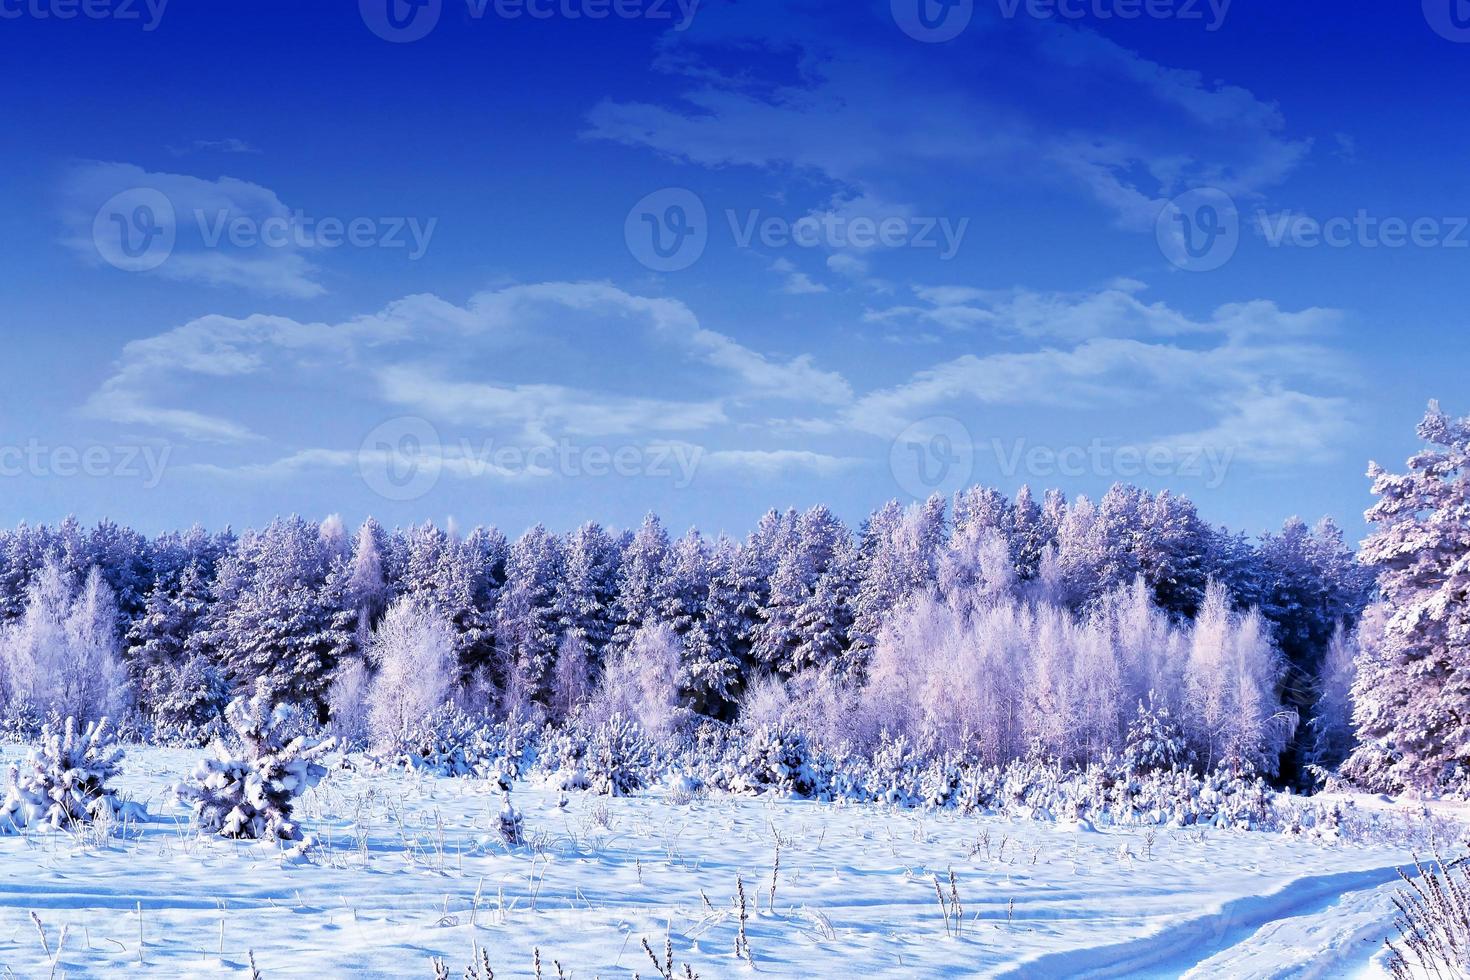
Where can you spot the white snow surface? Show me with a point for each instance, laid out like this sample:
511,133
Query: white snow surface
408,867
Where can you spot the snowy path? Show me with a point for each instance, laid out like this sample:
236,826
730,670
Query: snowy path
412,867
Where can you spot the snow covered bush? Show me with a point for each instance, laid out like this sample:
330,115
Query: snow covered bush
512,824
620,760
248,790
777,761
447,741
1155,741
64,782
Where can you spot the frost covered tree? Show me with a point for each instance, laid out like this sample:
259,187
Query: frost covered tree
63,654
1231,679
638,581
1413,684
572,680
526,620
587,588
645,683
275,624
249,788
413,652
64,781
1331,725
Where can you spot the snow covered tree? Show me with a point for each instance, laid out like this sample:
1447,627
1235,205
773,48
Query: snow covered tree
1413,685
1231,679
638,581
275,623
413,651
62,655
571,683
1331,725
718,650
587,588
248,789
645,681
90,681
526,620
64,781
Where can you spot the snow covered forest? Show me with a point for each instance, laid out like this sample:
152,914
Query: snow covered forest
983,628
393,715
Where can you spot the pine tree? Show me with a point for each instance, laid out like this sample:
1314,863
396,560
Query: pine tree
638,581
587,589
1413,685
526,620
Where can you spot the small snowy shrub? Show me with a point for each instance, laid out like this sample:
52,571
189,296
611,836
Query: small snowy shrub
512,824
64,782
249,790
1155,741
619,758
780,761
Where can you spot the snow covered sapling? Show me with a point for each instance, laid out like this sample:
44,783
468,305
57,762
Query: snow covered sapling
64,782
248,790
512,824
1155,741
619,759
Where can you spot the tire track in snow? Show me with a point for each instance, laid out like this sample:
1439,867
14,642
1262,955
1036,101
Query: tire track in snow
1182,945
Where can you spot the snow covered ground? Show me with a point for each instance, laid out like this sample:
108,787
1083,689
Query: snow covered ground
410,867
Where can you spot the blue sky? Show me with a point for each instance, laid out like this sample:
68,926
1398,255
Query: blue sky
417,279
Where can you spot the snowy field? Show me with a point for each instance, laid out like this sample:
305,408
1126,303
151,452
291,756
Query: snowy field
409,867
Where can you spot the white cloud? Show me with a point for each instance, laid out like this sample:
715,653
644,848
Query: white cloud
201,209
